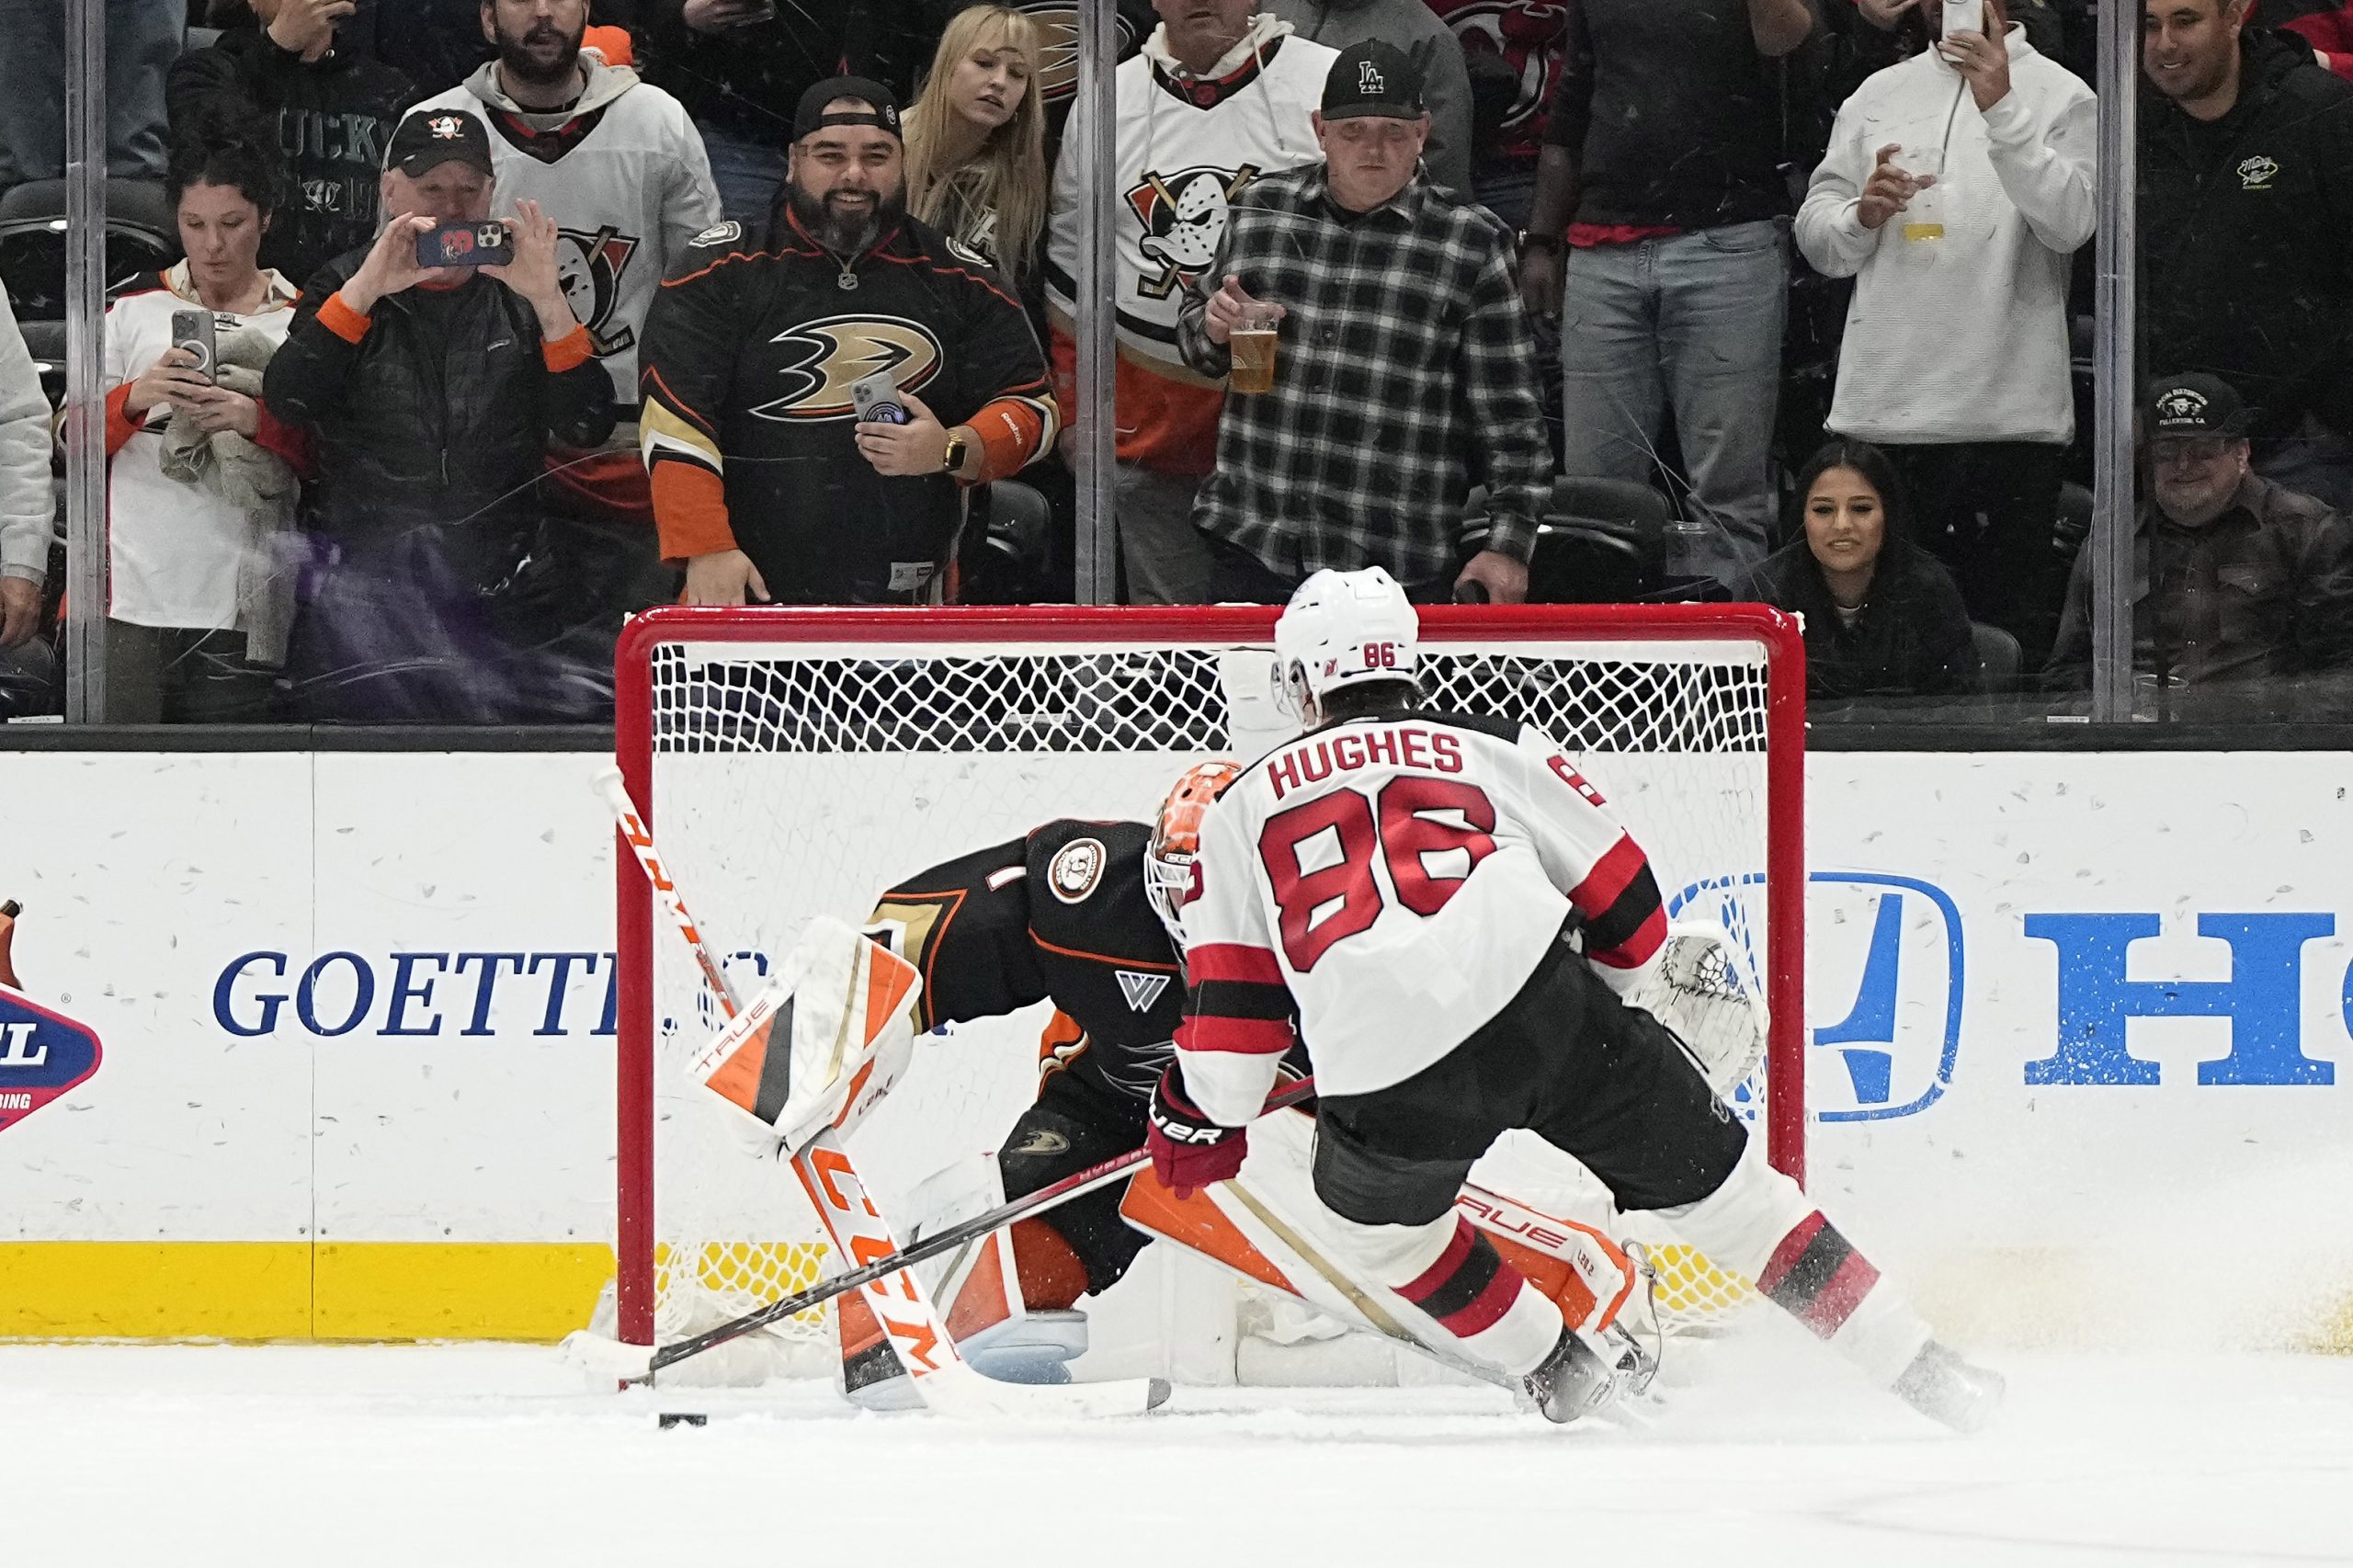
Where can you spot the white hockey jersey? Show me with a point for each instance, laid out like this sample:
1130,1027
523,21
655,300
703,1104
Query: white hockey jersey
1390,884
1186,145
624,174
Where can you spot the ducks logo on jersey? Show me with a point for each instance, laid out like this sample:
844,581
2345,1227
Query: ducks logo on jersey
1184,218
589,264
821,360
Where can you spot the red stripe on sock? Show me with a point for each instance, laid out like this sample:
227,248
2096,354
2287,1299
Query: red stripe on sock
1785,1256
1489,1306
1839,1298
1439,1273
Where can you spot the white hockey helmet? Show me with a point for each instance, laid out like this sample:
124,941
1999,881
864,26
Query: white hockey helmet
1342,629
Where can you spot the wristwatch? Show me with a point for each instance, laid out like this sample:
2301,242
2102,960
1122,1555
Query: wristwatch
1531,240
953,459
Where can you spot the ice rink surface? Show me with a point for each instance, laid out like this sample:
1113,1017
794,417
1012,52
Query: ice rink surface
1764,1452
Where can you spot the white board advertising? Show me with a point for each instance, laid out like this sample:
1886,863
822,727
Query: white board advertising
2079,1037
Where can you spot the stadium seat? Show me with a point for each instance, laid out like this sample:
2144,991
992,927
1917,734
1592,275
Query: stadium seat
141,236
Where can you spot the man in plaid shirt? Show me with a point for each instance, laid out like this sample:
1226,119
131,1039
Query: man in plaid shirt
1405,365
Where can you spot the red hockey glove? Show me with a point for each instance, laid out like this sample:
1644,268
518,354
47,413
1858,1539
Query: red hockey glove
1188,1150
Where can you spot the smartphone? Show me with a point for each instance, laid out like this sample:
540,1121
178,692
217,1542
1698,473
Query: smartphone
877,400
1964,16
193,331
466,244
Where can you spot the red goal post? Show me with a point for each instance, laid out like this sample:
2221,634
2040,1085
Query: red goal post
793,760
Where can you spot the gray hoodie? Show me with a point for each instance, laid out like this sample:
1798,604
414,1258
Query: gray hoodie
28,506
1410,25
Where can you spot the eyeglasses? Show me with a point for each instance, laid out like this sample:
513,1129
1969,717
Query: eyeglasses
2188,448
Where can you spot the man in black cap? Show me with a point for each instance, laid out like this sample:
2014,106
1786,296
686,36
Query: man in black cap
2234,577
1402,353
776,472
432,395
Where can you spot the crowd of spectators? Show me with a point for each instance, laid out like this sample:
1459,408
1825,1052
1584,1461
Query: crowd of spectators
495,321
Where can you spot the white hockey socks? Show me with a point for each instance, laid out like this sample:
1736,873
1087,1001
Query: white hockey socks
1761,1226
1451,1273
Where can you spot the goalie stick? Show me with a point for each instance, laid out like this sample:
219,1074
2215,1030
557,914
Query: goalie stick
858,1230
638,1363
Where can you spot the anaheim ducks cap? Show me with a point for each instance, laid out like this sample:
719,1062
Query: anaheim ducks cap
432,137
812,115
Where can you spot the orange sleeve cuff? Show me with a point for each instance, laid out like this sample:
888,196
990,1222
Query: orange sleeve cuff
690,511
121,425
342,320
1011,431
569,352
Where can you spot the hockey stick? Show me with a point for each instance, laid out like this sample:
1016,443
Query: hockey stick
638,1363
856,1226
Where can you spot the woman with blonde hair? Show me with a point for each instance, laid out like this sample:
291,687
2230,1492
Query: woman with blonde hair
976,140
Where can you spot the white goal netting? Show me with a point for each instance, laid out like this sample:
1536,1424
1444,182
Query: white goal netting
799,763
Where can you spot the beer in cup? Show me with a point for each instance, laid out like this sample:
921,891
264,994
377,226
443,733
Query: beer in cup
1253,346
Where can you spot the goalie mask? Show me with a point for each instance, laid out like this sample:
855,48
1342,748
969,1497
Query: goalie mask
1169,878
1342,629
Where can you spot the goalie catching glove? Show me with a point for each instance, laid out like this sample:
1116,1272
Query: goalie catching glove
821,1047
1188,1150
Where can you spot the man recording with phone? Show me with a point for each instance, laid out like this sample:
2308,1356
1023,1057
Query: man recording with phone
433,369
813,409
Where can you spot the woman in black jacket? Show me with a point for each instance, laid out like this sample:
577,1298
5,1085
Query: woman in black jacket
1882,617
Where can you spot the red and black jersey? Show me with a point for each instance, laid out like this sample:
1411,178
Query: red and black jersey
745,417
1058,914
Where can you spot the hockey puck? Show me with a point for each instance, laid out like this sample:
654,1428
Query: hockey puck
670,1418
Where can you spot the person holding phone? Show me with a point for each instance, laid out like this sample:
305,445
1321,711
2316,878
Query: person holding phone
200,474
432,381
774,477
1977,421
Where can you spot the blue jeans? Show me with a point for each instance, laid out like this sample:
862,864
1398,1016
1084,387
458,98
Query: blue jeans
142,39
1691,322
748,175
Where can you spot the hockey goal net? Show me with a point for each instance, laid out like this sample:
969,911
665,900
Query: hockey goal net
795,762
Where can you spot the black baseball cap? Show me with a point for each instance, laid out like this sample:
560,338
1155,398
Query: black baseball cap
1373,77
812,117
2196,404
432,137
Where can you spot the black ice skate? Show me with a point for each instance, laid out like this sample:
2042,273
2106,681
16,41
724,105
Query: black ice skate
1943,1387
1573,1382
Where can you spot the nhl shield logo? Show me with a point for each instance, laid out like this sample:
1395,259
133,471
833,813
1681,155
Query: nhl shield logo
43,1055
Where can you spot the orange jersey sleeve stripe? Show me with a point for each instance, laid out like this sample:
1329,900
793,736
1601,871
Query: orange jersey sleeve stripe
1013,436
568,352
690,511
343,321
121,425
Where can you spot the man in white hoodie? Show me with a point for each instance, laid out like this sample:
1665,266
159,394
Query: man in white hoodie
1217,97
622,171
1957,186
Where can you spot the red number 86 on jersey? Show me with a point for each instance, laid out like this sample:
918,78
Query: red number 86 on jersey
1404,835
